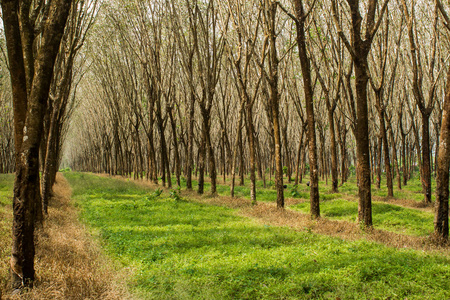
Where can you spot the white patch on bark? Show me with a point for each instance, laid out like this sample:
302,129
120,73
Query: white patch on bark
23,157
25,137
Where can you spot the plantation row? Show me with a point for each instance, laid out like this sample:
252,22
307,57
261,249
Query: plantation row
185,249
273,90
265,89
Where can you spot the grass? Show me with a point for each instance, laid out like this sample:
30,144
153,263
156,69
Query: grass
385,216
178,249
6,189
412,191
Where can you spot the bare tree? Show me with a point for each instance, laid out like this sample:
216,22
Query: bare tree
361,41
21,22
300,21
424,103
443,160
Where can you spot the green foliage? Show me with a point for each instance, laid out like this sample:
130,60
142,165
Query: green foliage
6,193
175,194
197,251
156,193
6,189
352,170
329,196
294,191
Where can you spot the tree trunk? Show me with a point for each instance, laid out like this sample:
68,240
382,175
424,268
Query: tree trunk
334,163
394,154
299,153
277,137
190,150
362,143
379,151
426,163
235,150
252,151
212,162
202,162
309,101
175,144
442,179
241,159
404,161
50,160
274,98
387,162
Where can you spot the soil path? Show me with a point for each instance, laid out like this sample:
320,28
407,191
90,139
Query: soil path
69,261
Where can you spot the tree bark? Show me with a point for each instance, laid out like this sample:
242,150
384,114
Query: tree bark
426,161
334,163
252,151
309,102
442,179
190,150
274,97
387,161
359,49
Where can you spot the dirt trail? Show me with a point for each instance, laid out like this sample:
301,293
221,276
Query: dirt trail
69,262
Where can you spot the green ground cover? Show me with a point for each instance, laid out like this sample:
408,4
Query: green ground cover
385,216
6,189
179,249
413,190
6,192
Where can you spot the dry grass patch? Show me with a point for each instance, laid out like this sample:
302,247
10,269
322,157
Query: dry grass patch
408,203
267,213
69,263
5,248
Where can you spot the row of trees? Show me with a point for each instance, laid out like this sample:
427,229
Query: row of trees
262,88
42,40
6,124
224,88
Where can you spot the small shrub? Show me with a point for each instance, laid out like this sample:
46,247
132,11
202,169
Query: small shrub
154,195
294,192
157,193
175,194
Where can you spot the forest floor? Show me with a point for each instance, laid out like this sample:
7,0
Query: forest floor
69,263
117,238
403,221
181,245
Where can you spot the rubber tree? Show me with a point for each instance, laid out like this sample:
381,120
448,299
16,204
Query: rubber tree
31,75
272,76
241,67
359,48
425,103
300,18
60,100
443,162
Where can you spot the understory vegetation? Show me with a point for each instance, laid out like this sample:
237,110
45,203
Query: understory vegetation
178,248
231,102
6,187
